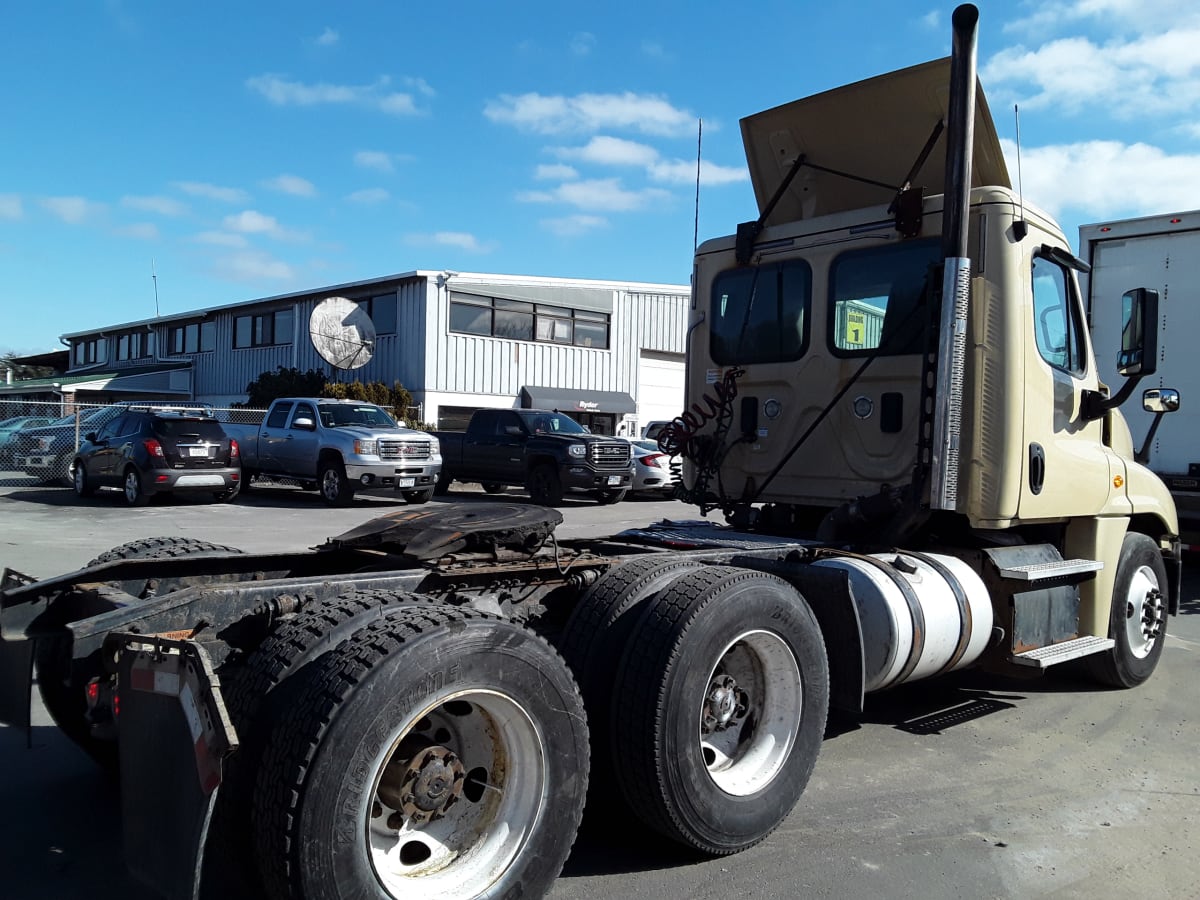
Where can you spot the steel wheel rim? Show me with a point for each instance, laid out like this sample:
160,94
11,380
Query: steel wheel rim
1143,612
755,685
466,845
132,486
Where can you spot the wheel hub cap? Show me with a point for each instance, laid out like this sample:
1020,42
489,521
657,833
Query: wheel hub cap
725,704
424,786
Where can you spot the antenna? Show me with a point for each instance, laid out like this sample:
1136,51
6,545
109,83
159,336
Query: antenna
696,218
154,278
342,333
1020,229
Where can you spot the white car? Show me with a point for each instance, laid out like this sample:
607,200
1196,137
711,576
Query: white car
654,471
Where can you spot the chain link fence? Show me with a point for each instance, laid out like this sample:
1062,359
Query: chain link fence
38,439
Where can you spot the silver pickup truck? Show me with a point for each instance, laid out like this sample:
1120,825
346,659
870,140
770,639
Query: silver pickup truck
337,447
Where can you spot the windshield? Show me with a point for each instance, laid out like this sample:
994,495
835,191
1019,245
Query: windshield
358,414
550,423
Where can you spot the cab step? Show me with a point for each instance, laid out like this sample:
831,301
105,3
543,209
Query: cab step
1064,569
1061,652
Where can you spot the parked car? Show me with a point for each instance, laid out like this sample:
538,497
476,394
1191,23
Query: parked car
650,430
148,450
45,452
654,472
9,429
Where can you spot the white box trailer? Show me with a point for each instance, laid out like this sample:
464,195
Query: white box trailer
1161,253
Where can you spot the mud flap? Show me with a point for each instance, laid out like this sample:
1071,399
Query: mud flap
16,678
174,735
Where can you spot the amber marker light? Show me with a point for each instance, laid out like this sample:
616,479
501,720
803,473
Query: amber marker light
1118,481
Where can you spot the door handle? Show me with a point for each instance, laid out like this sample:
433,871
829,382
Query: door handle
1037,468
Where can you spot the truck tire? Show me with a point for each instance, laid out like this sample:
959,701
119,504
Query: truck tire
229,494
719,708
1138,618
463,733
336,489
416,498
544,486
443,486
604,498
63,686
492,487
592,642
256,693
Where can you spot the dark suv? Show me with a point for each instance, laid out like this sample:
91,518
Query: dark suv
151,450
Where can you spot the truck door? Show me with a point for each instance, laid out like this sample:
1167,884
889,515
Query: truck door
273,435
297,452
1067,469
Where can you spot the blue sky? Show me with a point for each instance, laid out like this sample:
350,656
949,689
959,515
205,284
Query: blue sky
242,150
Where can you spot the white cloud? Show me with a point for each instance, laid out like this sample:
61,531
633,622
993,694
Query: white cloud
374,159
611,151
164,206
683,171
583,43
222,239
573,226
213,191
932,19
254,266
556,114
253,222
555,172
1139,14
71,210
291,184
145,231
1108,179
328,38
460,240
11,207
369,196
605,194
282,92
655,50
421,86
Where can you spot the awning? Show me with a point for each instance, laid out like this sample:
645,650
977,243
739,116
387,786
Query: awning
576,400
163,379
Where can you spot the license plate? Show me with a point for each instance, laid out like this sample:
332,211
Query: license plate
614,479
197,451
405,482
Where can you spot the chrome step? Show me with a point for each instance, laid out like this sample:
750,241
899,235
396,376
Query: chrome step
1061,652
1045,571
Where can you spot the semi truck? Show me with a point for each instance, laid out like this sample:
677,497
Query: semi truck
1161,252
424,705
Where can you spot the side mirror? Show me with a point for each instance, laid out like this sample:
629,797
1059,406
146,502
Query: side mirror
1139,333
1139,351
514,430
305,423
1160,400
90,437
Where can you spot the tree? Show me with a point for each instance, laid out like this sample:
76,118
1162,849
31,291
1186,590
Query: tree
283,382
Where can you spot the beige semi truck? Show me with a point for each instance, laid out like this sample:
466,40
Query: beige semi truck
892,399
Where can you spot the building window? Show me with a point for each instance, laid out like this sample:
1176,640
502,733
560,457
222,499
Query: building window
520,320
382,310
263,330
91,351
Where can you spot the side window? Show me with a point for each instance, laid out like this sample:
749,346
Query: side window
112,429
1057,328
875,295
279,415
483,423
760,314
504,420
304,410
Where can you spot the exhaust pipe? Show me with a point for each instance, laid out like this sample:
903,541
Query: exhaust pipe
956,275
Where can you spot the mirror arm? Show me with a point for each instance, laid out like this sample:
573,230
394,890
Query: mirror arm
1094,404
1143,455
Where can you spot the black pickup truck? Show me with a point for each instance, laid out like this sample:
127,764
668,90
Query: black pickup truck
548,453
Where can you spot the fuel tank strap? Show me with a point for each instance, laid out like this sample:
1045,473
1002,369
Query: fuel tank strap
964,608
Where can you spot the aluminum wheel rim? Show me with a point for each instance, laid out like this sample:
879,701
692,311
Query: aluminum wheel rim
329,484
746,746
1143,612
132,486
463,850
78,477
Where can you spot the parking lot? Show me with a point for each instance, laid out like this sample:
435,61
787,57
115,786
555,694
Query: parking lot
967,786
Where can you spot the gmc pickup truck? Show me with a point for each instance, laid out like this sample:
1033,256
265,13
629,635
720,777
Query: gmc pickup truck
338,446
547,453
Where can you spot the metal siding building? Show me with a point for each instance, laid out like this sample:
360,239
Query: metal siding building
445,367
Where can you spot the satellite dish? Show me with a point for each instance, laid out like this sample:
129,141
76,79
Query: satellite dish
342,333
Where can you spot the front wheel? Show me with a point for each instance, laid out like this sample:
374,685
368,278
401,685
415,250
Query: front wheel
545,487
416,498
1138,618
719,708
434,753
605,498
336,489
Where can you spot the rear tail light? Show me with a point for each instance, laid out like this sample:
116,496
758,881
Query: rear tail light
652,460
234,452
153,447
